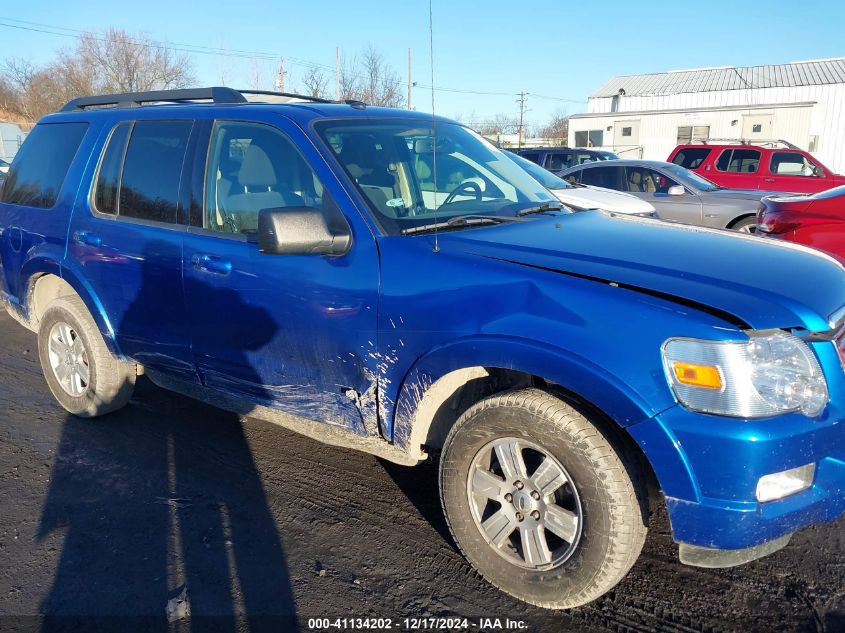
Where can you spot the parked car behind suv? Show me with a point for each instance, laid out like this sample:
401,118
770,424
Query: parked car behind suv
556,159
781,168
580,197
391,283
816,220
677,193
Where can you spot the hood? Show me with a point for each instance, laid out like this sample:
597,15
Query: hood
751,281
604,199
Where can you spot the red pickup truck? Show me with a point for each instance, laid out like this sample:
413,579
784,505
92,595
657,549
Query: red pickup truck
738,166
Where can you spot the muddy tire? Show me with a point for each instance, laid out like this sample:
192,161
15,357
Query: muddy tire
80,371
541,502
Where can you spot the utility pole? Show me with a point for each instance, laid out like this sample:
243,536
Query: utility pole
337,73
410,101
280,76
522,111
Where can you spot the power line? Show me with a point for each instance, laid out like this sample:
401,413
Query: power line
198,49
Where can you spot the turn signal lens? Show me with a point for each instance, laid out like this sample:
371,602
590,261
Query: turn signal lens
705,376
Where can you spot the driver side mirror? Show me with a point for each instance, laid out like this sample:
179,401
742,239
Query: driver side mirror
676,190
301,231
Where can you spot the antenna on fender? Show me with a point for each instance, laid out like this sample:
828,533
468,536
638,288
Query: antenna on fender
433,120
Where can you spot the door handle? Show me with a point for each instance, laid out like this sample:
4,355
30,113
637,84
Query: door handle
212,264
87,238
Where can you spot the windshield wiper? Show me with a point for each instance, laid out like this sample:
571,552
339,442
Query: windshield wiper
540,208
457,222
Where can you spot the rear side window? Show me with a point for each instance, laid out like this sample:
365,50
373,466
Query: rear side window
108,178
607,177
534,157
41,165
691,157
152,169
746,161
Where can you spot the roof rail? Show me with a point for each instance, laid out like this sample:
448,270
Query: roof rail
134,99
289,95
217,94
746,141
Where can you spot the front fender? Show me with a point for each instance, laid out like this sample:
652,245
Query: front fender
572,372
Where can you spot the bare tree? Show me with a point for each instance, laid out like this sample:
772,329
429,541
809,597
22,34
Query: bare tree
316,83
557,128
112,62
122,63
499,124
369,78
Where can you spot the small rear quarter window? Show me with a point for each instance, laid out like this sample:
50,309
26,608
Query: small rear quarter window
41,165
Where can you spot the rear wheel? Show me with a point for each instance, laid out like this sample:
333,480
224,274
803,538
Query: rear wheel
80,371
745,225
540,501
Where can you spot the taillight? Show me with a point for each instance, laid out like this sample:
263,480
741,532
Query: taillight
775,222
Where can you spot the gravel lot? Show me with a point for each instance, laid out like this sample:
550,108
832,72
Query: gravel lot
264,529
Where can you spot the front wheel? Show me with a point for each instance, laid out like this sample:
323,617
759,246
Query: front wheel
80,371
540,501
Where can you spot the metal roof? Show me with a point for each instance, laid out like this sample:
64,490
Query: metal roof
810,73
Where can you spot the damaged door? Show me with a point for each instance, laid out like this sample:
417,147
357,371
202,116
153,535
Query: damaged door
294,332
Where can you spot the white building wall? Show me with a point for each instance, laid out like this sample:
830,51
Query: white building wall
827,120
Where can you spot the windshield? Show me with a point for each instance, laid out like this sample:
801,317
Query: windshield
700,183
392,162
541,175
607,156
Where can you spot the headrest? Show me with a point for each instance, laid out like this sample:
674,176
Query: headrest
256,169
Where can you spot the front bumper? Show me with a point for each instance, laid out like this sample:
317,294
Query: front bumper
708,467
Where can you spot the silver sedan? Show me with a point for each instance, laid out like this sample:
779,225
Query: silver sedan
677,193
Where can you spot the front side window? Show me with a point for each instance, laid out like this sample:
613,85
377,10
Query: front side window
691,157
252,166
559,161
794,164
745,161
411,173
41,165
152,170
645,180
607,177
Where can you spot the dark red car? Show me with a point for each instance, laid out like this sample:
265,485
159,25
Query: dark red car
816,220
783,167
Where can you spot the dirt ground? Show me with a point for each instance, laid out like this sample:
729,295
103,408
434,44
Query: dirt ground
103,524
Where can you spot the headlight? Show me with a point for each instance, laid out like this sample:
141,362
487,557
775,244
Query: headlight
771,373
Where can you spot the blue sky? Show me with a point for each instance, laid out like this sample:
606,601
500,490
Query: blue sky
563,50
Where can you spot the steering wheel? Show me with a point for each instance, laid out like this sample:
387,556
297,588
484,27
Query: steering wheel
466,184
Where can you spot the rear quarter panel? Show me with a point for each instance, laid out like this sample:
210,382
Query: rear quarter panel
33,240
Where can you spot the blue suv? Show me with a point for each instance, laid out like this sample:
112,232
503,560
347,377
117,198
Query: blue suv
390,282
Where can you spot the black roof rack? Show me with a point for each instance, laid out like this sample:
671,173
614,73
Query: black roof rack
291,95
217,94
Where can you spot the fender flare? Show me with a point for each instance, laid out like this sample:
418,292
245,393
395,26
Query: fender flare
34,269
448,367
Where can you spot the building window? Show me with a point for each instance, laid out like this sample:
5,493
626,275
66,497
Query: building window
626,131
693,134
757,128
589,138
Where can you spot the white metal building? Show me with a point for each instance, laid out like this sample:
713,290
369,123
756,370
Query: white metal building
11,137
645,116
